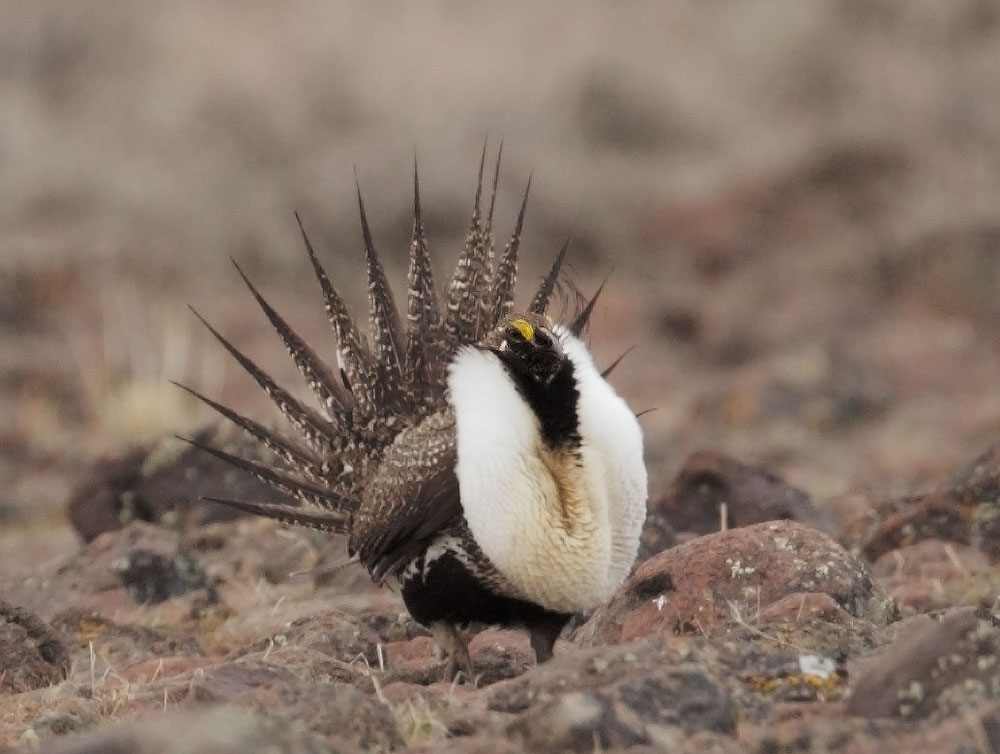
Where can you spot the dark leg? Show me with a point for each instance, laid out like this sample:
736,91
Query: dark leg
455,647
544,635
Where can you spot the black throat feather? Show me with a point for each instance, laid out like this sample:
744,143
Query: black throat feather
555,403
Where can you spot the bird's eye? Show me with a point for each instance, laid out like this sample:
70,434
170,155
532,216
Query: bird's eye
514,335
542,339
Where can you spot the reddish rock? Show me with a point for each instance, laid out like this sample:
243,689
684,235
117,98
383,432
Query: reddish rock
418,648
965,510
751,495
936,515
400,693
709,582
32,654
950,663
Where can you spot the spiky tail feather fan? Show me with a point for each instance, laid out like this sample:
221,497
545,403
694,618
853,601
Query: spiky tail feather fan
380,388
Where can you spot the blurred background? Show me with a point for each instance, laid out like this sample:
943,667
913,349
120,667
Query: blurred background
798,201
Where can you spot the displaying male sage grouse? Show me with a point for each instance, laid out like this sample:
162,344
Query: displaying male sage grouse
476,457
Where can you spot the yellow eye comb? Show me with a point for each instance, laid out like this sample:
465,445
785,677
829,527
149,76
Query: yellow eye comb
524,327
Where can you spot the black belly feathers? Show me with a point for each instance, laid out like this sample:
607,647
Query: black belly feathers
376,461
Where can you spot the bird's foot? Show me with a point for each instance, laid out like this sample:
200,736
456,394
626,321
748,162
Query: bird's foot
456,649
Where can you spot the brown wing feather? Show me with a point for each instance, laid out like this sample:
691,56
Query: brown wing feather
413,495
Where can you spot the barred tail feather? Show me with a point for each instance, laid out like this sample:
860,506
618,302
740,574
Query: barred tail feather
423,313
294,457
315,429
462,318
383,315
320,497
505,281
328,521
321,380
485,292
351,352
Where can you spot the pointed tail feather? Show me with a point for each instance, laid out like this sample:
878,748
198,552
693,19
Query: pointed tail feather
493,194
307,493
422,308
486,322
541,300
383,315
469,283
313,427
580,323
328,521
314,370
614,364
354,359
423,314
298,459
505,281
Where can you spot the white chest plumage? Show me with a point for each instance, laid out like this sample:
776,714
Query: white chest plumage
562,527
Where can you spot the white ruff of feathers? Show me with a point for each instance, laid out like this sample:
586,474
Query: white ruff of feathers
567,554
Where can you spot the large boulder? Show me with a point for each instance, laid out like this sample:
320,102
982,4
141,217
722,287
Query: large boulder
714,581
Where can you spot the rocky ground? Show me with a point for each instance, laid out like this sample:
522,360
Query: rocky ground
799,202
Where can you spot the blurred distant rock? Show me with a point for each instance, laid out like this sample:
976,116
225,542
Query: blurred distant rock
709,480
966,510
162,483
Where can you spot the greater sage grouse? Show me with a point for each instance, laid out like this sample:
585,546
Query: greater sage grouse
477,457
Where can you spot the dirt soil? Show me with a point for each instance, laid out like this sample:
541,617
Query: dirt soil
799,206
